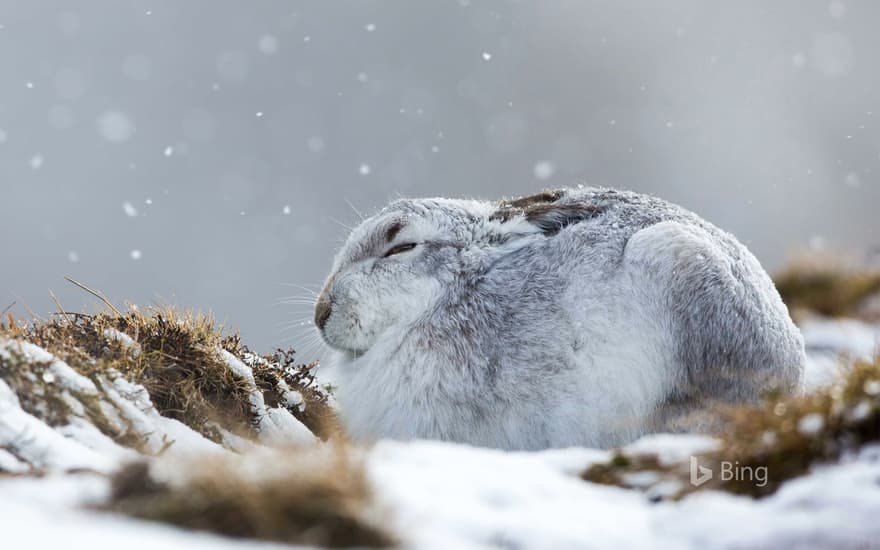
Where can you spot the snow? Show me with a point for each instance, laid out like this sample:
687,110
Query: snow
544,170
811,424
124,339
40,445
835,507
115,126
268,44
129,209
671,448
837,9
440,495
43,514
276,425
8,463
85,433
61,371
842,336
476,498
828,341
159,433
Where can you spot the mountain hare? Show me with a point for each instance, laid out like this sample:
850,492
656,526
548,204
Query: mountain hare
571,317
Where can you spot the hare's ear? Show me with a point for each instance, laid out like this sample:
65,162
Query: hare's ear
545,212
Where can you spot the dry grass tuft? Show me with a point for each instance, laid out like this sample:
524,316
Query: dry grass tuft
278,371
784,437
33,385
176,356
830,285
789,435
316,497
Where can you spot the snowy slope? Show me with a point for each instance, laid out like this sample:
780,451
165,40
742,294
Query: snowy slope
440,495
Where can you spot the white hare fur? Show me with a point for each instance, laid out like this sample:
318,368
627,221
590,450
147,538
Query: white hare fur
572,317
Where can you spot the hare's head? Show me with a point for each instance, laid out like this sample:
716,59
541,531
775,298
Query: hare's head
415,258
393,270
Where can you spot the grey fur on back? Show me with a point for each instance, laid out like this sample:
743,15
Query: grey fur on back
580,316
734,335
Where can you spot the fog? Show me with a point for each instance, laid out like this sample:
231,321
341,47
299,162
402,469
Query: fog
204,153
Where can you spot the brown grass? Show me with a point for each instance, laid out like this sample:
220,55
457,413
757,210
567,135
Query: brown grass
315,497
178,361
787,436
834,286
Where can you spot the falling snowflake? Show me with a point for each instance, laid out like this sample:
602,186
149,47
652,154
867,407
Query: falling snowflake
487,56
169,151
837,9
544,170
115,126
370,27
286,209
364,170
129,209
268,44
36,162
135,254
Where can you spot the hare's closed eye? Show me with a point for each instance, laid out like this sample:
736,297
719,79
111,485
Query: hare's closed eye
399,249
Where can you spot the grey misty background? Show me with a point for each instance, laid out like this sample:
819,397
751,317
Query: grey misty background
198,152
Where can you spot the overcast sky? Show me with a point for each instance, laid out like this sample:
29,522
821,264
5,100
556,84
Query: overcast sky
202,153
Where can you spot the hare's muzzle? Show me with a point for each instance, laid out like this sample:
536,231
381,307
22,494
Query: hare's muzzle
322,310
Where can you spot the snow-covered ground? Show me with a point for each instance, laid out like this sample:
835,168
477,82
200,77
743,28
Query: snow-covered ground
439,495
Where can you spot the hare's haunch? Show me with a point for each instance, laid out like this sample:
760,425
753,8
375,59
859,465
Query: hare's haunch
571,317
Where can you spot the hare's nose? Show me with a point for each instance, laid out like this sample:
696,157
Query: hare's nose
322,311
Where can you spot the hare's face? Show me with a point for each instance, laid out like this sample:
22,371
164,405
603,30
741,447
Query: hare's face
391,273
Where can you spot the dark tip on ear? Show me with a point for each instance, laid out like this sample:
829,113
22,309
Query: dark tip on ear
508,208
551,219
544,197
543,211
392,231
